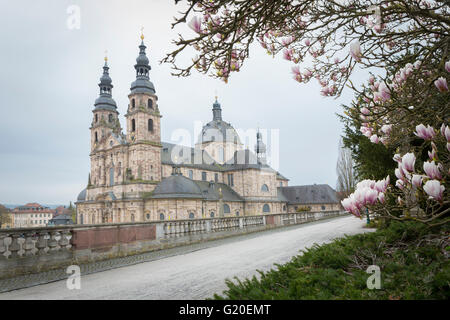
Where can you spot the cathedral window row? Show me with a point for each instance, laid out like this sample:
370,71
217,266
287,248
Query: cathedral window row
149,103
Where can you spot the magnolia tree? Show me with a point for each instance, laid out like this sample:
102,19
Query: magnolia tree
405,102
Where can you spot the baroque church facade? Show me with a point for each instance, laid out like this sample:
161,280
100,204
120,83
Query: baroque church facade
137,177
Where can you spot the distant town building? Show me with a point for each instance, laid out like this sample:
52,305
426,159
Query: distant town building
61,219
31,215
6,218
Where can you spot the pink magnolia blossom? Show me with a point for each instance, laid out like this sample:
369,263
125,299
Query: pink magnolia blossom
417,180
307,42
399,173
400,184
397,157
432,170
447,66
441,84
296,70
365,111
381,185
371,196
408,161
432,154
434,189
287,54
355,51
381,197
386,129
384,92
374,139
446,133
378,28
196,24
307,73
426,133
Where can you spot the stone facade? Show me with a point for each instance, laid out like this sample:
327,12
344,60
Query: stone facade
135,177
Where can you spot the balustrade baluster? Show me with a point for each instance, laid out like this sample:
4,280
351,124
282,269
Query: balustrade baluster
28,245
41,243
64,242
14,247
53,243
3,236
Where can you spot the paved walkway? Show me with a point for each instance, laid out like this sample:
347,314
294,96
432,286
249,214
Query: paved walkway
198,274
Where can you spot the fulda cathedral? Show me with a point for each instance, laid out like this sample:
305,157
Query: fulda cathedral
137,177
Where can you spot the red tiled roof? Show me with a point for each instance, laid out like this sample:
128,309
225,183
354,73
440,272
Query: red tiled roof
28,208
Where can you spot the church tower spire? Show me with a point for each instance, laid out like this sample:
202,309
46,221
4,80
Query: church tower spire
105,119
260,149
143,121
217,111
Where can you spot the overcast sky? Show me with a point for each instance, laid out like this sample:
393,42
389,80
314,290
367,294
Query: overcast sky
48,84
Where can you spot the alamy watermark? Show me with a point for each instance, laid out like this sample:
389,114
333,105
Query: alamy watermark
74,19
74,280
374,281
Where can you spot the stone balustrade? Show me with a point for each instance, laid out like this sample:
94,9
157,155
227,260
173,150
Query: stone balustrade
33,250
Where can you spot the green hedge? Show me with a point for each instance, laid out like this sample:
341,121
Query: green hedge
411,256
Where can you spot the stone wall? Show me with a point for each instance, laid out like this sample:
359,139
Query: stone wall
29,251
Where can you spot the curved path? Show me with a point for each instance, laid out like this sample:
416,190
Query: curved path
198,274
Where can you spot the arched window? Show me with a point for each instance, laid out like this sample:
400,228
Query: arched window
96,118
150,125
81,219
265,188
266,208
191,215
284,208
96,137
148,216
133,103
133,125
211,214
237,213
110,118
323,207
221,154
161,216
191,174
111,176
226,208
150,103
132,217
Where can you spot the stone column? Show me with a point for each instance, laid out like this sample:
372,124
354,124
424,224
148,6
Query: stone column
2,245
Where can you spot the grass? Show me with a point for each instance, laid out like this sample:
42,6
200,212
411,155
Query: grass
412,257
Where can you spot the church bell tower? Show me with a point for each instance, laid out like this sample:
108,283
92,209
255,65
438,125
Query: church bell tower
143,122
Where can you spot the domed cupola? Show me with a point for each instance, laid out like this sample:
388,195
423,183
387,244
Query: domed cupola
217,129
142,83
105,100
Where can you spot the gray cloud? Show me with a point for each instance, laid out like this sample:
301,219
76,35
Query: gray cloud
49,77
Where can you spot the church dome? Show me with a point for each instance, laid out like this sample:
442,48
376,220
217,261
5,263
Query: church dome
219,130
82,195
177,186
